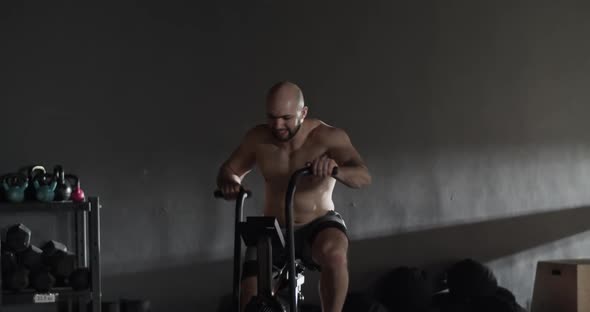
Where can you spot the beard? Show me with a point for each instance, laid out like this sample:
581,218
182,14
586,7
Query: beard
290,133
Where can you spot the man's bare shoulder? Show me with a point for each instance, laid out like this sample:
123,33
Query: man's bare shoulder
325,132
257,133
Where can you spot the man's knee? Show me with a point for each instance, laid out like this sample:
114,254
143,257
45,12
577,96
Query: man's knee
333,259
330,248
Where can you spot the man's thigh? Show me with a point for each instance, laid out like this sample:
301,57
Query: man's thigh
329,246
325,234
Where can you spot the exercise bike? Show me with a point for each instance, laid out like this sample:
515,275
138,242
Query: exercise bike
279,292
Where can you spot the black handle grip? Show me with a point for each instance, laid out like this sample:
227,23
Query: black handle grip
335,171
307,171
219,194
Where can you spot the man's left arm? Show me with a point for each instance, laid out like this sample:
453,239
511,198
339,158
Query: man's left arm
352,171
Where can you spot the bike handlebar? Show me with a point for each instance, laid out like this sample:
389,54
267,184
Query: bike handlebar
219,194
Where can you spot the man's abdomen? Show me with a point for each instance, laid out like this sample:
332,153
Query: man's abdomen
307,206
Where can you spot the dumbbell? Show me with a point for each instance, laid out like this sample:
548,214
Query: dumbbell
62,265
31,258
60,261
8,260
8,265
18,279
51,247
80,279
18,238
42,280
39,277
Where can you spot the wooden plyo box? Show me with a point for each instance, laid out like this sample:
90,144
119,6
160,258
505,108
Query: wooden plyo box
562,286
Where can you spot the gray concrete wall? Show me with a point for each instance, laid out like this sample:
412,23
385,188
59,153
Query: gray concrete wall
470,115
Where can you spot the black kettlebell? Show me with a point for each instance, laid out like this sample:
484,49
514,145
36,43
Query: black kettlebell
63,189
14,187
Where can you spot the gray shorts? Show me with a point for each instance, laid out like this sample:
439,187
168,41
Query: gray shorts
303,238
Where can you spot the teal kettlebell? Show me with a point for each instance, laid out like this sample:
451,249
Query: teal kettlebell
14,187
32,172
45,185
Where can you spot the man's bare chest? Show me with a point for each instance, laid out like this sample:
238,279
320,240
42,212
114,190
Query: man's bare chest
279,163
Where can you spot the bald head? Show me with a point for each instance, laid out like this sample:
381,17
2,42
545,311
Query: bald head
285,93
285,110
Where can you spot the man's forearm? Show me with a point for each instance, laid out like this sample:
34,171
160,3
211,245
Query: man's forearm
354,176
226,174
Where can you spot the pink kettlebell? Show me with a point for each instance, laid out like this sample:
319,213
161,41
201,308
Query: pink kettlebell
77,193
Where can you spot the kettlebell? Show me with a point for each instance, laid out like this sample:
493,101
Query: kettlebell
14,187
31,172
77,193
63,190
45,187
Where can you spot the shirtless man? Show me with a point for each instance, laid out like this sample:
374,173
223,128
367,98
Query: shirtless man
286,143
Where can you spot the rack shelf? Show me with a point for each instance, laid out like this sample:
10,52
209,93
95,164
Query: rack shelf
44,207
87,246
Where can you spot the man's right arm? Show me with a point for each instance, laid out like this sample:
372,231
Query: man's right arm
240,163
